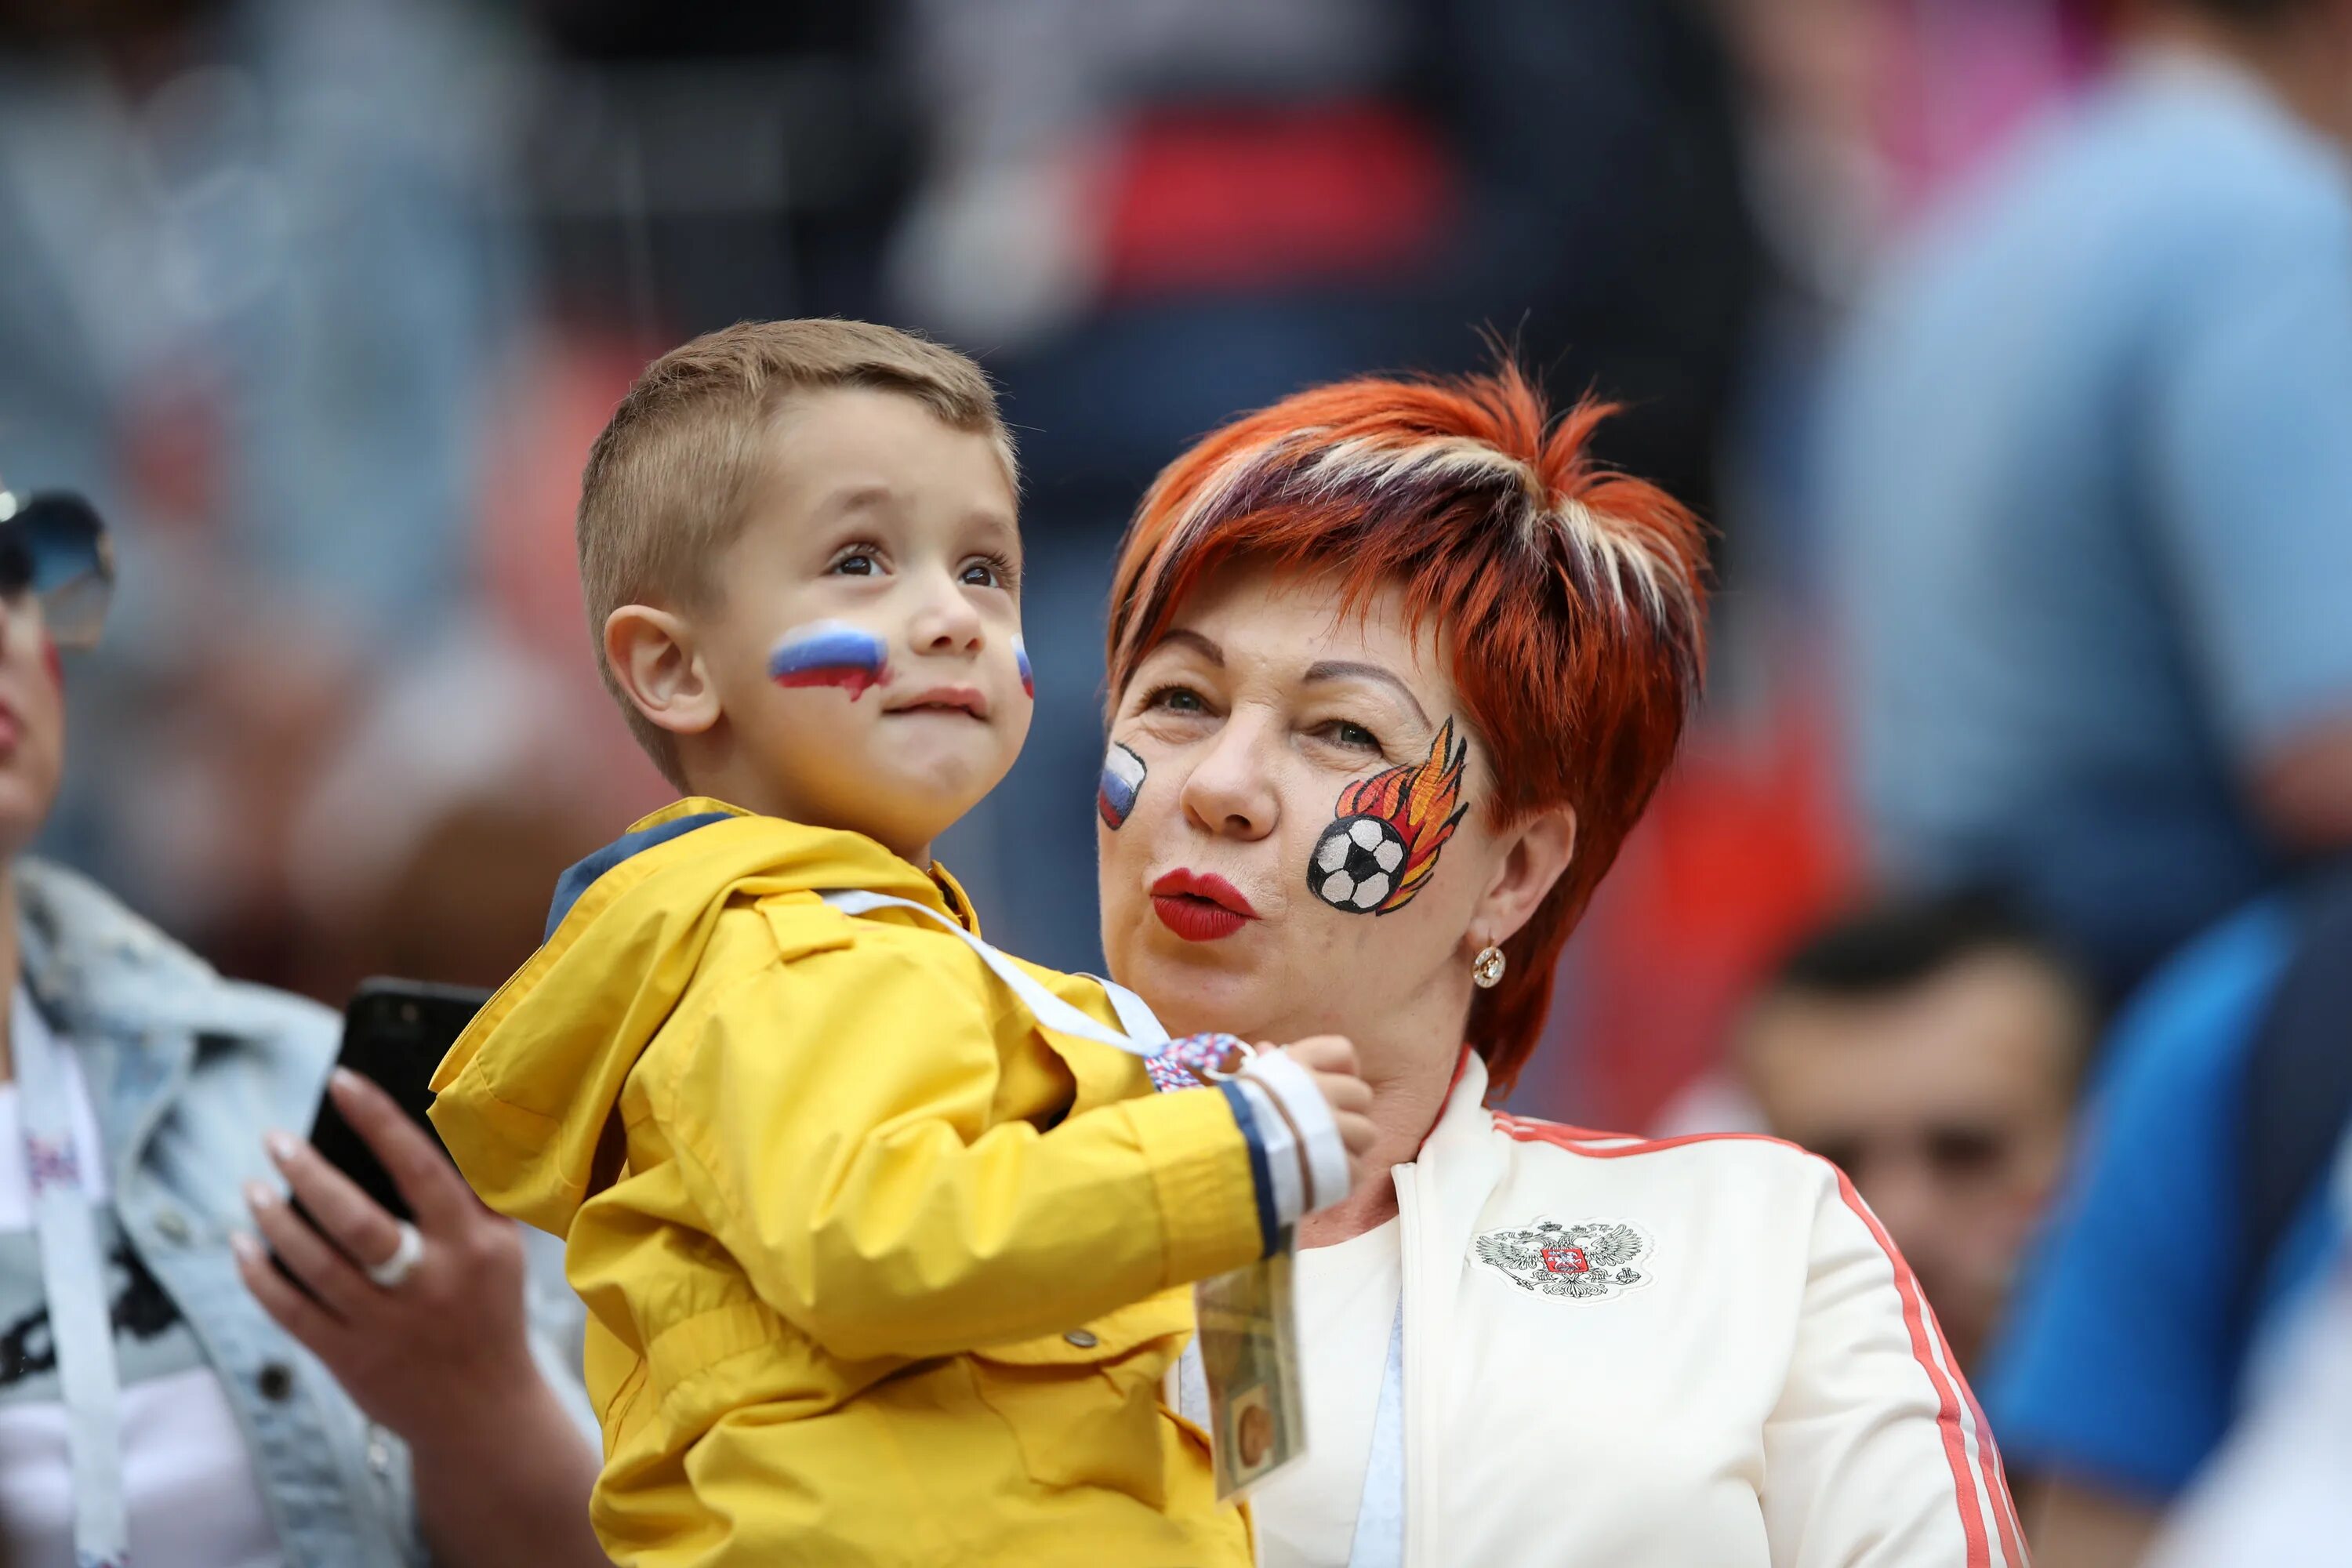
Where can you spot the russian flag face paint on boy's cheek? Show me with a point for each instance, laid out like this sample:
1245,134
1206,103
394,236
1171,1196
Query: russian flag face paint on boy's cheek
831,653
1021,663
1122,779
53,662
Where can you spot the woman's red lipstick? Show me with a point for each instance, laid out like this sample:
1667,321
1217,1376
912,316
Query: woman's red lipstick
1199,906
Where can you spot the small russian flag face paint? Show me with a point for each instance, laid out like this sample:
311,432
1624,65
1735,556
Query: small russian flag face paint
1122,779
1021,663
831,653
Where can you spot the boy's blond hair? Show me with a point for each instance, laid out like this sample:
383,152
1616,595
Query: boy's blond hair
668,482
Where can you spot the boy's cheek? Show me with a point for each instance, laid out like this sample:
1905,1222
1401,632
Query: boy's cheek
830,654
1013,726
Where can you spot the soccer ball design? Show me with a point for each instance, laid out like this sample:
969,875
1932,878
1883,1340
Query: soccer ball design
1356,863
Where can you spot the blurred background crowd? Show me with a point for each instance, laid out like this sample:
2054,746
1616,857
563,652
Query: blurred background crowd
2005,344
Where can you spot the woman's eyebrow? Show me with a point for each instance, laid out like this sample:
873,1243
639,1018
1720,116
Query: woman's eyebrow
1197,642
1342,669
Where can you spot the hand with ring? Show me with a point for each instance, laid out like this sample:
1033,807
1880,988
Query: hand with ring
424,1325
419,1322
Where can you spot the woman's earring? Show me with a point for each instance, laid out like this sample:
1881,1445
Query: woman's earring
1486,969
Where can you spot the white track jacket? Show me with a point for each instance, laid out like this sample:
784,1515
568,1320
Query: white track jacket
1700,1353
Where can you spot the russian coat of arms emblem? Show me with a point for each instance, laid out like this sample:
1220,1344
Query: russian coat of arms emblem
1591,1261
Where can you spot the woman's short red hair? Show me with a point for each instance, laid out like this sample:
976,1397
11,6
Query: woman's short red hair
1571,598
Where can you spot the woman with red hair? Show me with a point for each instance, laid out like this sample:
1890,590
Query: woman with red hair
1395,669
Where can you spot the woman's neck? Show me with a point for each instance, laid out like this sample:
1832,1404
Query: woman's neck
1409,1079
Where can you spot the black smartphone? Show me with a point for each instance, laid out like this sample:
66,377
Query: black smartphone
395,1033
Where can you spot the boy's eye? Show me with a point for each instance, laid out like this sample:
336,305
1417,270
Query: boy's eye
857,563
991,570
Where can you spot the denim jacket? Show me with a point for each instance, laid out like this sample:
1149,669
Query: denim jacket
187,1071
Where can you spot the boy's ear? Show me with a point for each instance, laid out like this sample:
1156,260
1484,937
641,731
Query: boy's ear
655,660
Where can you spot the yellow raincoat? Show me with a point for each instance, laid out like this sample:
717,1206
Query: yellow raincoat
877,1271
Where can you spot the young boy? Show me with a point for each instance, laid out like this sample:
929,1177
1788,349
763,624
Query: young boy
880,1267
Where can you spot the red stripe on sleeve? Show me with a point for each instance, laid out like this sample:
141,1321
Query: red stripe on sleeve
2013,1533
1948,1390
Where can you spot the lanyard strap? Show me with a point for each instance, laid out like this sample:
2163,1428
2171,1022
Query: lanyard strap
80,1326
1134,1017
1144,1035
1379,1513
1380,1516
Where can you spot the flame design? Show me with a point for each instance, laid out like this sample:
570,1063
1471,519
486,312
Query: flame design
1422,801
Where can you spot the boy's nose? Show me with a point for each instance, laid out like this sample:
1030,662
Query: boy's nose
947,623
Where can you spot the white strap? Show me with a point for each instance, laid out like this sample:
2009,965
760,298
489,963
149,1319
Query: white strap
1309,1114
82,1328
1193,1386
1379,1516
1144,1034
1134,1017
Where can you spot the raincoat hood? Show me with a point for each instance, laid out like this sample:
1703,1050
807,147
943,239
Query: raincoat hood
526,1097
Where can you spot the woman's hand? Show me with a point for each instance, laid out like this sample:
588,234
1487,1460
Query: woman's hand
443,1355
1331,1061
448,1345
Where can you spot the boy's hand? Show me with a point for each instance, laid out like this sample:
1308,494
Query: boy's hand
1330,1060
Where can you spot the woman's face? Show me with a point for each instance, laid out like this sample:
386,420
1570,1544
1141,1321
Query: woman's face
31,722
1291,822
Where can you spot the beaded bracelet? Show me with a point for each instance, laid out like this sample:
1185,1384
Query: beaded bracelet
1197,1060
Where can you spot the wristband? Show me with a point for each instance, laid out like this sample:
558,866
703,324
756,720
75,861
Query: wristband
1323,1153
1271,1231
1286,1170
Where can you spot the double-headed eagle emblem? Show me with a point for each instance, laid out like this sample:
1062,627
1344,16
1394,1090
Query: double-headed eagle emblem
1591,1261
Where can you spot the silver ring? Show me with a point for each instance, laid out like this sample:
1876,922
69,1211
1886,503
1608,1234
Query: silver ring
394,1271
1218,1075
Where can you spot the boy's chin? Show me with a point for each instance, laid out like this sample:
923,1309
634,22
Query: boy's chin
917,815
950,778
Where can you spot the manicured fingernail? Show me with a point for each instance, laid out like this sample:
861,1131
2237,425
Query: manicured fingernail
247,1250
281,1145
259,1196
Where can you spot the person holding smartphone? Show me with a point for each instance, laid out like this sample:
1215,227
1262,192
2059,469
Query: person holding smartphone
165,1393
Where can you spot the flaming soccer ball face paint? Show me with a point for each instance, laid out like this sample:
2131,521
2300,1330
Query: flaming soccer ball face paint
1021,663
1122,779
831,653
1383,843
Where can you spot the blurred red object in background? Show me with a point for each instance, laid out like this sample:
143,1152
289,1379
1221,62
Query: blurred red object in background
1746,846
1256,198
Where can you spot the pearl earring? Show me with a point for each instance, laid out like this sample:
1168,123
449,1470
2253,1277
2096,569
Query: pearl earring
1486,969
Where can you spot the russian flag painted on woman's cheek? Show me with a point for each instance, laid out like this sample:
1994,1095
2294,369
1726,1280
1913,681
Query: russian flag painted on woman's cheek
1122,780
